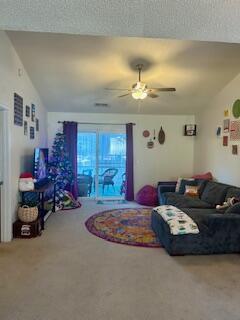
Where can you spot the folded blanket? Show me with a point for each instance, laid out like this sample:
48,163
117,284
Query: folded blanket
179,222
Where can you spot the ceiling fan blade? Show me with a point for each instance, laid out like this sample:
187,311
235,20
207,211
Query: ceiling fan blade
163,89
117,89
152,95
124,95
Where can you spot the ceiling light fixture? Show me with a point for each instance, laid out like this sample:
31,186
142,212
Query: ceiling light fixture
139,90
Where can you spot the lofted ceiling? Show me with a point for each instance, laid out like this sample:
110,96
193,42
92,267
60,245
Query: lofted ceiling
207,20
70,72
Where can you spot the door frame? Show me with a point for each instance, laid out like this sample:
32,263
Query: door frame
6,194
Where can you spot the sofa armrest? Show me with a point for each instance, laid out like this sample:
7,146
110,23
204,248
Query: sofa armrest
162,189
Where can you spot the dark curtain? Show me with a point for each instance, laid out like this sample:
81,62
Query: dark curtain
129,163
70,129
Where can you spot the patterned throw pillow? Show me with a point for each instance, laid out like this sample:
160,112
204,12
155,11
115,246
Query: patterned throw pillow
191,191
185,183
179,182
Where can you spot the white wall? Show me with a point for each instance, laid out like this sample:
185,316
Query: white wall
168,161
10,82
210,155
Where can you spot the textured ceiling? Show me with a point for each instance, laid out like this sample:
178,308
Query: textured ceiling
71,71
210,20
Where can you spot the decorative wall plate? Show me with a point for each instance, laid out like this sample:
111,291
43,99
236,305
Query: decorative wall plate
150,144
161,136
236,109
146,133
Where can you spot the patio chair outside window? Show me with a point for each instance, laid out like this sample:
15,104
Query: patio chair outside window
106,178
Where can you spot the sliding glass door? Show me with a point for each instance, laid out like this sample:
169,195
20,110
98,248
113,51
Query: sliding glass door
111,164
86,163
102,164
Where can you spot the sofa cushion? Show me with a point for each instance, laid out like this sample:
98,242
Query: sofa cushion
234,209
194,213
182,201
214,193
233,192
201,183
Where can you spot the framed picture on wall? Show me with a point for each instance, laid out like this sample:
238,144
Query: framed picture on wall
18,110
32,133
225,141
25,128
235,149
226,125
33,110
37,124
235,130
219,131
27,111
190,130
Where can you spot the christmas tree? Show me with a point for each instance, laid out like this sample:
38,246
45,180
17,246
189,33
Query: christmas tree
60,168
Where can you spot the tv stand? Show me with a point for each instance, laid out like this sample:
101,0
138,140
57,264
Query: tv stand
41,190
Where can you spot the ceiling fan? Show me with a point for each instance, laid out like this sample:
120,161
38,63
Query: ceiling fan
140,90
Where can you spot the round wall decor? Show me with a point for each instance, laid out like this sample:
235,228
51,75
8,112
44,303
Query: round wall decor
236,109
146,133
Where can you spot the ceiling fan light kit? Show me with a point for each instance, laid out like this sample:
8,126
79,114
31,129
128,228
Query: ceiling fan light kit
139,90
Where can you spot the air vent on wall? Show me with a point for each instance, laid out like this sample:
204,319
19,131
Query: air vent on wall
102,105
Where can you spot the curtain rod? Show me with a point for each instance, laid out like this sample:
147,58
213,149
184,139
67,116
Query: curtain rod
97,123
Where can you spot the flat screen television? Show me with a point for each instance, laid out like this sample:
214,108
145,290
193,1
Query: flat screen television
40,166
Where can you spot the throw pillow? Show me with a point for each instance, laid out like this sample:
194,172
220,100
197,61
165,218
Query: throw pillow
184,183
191,191
204,176
234,209
179,183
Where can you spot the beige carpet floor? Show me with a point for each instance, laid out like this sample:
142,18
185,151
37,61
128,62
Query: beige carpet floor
68,273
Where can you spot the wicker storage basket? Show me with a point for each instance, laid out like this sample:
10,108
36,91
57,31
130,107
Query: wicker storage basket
27,214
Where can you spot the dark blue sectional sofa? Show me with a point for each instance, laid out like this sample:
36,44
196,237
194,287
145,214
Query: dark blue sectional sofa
219,231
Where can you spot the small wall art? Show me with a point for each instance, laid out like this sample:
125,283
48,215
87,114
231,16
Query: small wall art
33,110
226,113
219,131
235,130
25,128
18,110
32,135
226,125
234,149
27,111
236,109
225,141
146,133
161,136
150,144
190,130
37,124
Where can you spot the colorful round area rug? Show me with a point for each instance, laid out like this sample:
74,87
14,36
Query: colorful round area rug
126,226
